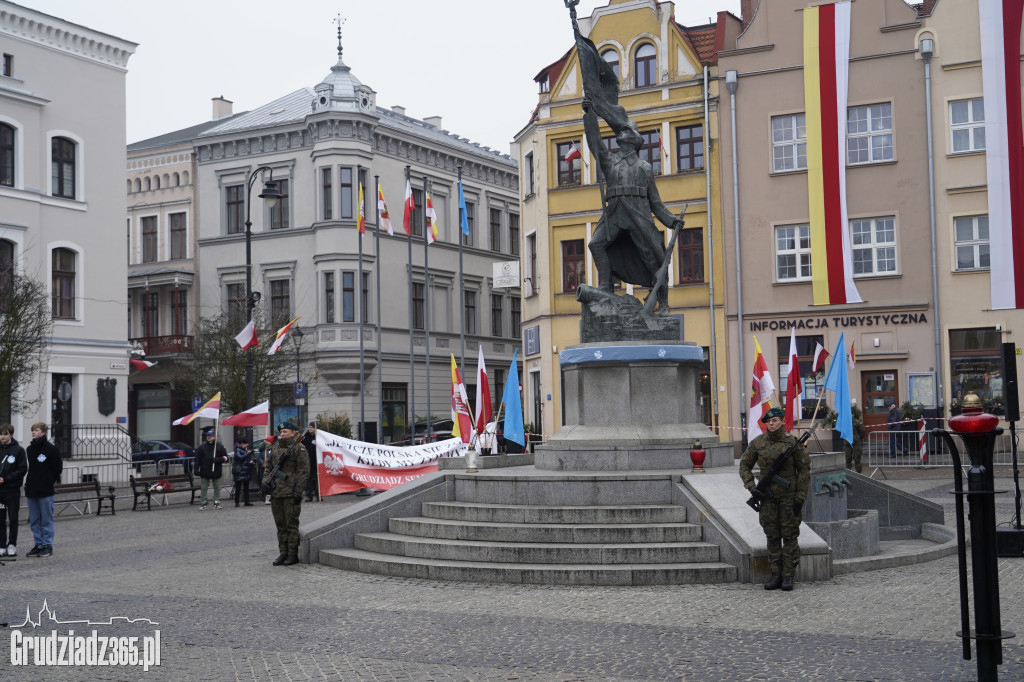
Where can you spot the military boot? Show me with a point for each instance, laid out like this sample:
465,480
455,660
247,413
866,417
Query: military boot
291,560
281,558
775,582
787,584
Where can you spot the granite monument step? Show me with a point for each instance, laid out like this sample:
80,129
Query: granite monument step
585,533
532,513
526,573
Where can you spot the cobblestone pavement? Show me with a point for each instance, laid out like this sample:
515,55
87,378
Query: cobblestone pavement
225,613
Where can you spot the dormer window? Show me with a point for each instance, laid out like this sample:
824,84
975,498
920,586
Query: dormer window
545,84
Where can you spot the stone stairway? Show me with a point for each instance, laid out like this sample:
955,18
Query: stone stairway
551,544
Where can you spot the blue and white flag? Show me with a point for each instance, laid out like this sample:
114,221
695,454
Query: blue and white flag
838,382
514,430
463,220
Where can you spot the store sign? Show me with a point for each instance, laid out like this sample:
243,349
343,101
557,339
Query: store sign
840,322
531,338
506,274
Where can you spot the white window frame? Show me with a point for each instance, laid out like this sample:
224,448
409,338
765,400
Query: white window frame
978,244
870,235
800,236
789,142
875,127
973,126
79,164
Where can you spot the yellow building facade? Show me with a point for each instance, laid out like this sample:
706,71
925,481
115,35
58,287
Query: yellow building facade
668,84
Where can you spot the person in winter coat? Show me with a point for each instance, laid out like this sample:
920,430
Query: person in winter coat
241,470
44,469
285,488
13,466
210,459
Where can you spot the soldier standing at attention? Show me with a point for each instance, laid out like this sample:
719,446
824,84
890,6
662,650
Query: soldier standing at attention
780,515
287,468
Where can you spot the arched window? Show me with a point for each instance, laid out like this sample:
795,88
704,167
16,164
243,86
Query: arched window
612,57
147,184
184,178
129,190
165,182
156,182
62,167
6,155
176,182
63,279
138,185
645,65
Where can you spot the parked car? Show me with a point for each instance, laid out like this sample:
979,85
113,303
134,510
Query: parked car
439,430
159,450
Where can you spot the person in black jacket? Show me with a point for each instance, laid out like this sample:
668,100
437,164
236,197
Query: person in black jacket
44,469
241,470
12,471
210,459
312,489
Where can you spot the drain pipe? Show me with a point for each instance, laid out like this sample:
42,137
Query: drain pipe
713,352
927,48
730,84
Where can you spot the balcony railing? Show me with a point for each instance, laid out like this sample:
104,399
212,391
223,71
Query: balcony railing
164,345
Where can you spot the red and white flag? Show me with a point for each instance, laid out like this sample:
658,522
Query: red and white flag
281,333
254,416
826,74
820,356
211,410
140,365
431,221
462,422
383,217
410,208
247,338
573,153
1004,147
794,406
761,389
483,395
851,359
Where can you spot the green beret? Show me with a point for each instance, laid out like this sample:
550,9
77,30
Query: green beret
773,412
287,425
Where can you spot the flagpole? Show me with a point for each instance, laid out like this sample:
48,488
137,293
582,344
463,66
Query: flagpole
361,215
426,292
462,285
380,369
411,418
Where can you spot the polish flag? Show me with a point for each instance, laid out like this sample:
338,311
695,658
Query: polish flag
820,356
141,364
281,333
247,338
254,416
794,408
431,221
382,212
410,207
483,395
573,153
462,423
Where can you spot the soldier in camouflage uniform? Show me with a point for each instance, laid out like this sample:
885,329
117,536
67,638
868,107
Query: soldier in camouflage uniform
855,451
780,515
286,497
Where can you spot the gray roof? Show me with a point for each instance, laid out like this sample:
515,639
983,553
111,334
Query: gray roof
292,108
179,136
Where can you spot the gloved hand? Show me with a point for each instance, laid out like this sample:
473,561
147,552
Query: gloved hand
798,507
297,499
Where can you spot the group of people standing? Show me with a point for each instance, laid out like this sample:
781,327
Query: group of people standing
38,467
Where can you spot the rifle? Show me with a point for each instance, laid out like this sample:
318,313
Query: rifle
661,276
762,491
276,472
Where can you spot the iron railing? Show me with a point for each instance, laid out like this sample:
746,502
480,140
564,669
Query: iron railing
94,441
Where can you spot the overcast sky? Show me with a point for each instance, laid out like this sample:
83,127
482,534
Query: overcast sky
470,62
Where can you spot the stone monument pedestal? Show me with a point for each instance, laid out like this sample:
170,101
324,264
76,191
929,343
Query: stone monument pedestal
630,406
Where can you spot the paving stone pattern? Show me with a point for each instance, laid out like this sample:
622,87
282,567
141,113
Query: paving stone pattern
226,614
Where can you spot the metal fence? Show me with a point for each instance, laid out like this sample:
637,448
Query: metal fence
95,441
904,448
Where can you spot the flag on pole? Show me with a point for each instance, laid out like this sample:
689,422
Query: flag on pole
362,210
462,423
279,339
514,429
761,389
211,410
141,364
247,337
431,221
1000,22
463,218
826,62
820,356
254,416
483,395
852,357
838,382
794,408
410,207
382,212
573,153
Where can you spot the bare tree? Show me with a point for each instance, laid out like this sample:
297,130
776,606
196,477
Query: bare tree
218,364
26,327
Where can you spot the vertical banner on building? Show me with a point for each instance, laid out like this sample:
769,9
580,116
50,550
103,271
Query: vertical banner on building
826,62
1004,147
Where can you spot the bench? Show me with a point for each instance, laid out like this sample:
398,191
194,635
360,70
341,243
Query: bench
180,483
85,492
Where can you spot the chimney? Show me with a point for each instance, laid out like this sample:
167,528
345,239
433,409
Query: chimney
434,121
398,110
221,107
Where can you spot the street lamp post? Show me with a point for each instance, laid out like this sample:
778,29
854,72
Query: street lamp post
270,195
298,334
